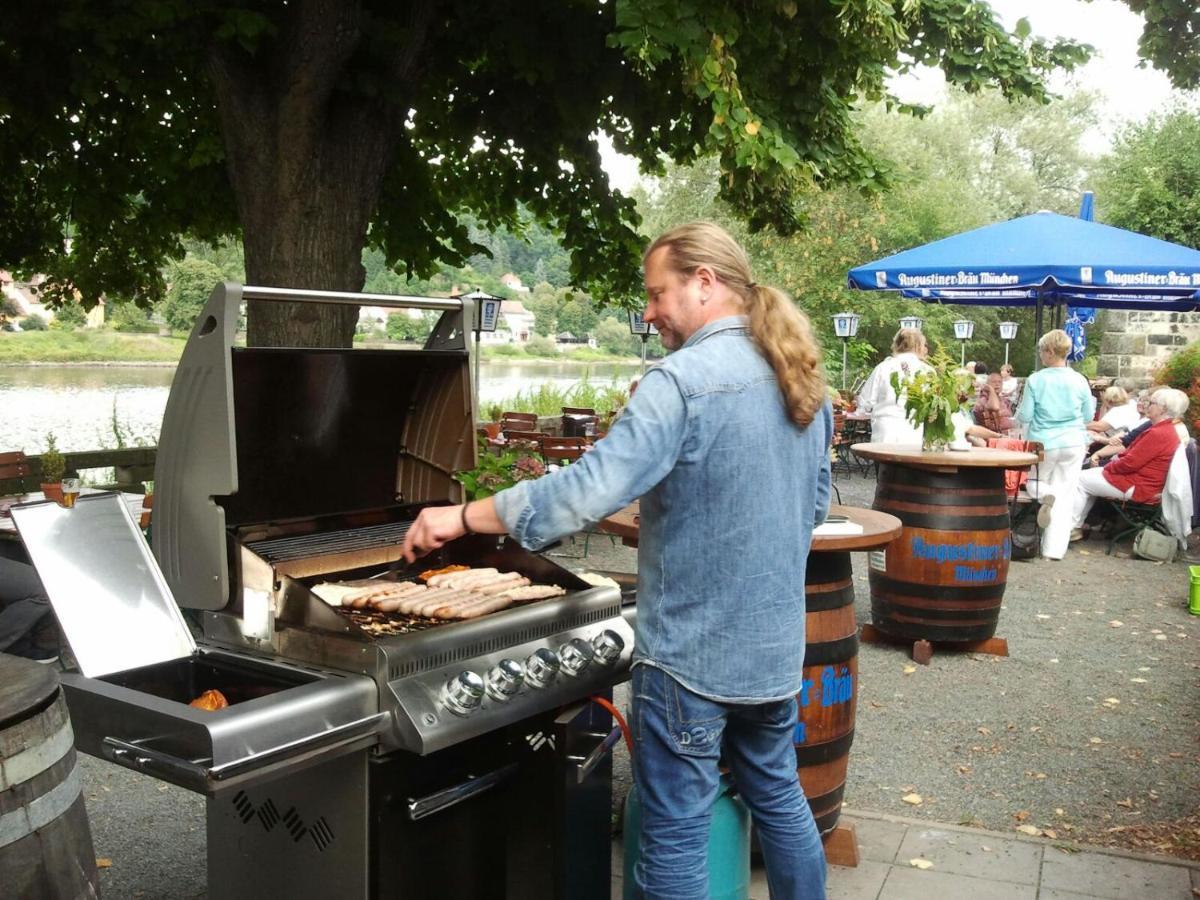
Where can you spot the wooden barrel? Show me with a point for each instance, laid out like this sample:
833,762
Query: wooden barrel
829,696
45,842
943,578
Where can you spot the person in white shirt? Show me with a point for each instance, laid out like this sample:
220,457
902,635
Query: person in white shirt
1008,387
889,422
1118,412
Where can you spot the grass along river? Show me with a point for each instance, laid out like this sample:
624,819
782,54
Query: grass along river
79,403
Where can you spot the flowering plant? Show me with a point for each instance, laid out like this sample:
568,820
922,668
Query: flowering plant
496,473
931,398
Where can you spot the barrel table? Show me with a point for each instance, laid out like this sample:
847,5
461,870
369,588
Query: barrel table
45,842
943,580
828,698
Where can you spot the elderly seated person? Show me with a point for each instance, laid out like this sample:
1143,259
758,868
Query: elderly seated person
1139,473
1118,412
1100,453
992,410
1009,384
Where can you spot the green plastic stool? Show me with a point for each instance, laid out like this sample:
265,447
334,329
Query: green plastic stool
728,844
1194,591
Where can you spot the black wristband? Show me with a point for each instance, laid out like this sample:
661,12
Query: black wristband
466,527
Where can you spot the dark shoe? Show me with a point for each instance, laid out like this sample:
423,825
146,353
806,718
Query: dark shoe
1043,515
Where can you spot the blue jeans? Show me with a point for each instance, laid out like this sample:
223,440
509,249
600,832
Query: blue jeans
678,740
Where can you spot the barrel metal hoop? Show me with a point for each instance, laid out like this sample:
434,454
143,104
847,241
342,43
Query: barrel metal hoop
40,812
815,754
940,522
966,477
828,566
33,761
826,653
939,498
968,594
823,601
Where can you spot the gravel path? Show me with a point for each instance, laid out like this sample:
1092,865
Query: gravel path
1089,729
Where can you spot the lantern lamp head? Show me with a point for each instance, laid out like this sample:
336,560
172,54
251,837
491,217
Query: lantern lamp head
639,326
1008,331
963,329
845,325
913,322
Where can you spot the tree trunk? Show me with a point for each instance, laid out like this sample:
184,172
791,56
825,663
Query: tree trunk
307,163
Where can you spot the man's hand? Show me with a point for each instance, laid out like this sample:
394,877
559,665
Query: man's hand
435,526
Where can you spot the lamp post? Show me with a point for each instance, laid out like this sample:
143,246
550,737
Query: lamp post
963,329
845,326
1008,332
643,329
487,316
913,322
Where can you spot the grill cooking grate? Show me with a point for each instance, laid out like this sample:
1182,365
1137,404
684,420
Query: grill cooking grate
346,540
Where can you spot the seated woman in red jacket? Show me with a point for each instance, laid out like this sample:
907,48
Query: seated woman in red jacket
1139,473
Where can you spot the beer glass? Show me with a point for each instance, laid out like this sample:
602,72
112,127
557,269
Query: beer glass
70,490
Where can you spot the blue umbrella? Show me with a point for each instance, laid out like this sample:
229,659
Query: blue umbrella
1040,258
1037,254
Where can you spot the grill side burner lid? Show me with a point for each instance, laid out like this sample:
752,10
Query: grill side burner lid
107,590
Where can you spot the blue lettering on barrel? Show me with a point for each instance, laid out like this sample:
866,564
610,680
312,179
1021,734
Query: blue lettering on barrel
799,733
836,687
805,687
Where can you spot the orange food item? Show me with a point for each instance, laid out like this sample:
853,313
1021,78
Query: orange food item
429,573
210,700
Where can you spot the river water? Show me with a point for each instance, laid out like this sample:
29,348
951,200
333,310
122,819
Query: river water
80,403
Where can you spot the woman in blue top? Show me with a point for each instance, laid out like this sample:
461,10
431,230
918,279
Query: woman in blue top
1056,406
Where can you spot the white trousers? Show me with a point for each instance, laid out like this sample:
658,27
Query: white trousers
892,430
1058,474
1093,484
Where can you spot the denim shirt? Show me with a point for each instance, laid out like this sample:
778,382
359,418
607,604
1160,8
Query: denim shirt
730,492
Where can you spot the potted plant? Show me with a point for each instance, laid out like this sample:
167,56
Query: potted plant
54,466
495,473
492,428
931,399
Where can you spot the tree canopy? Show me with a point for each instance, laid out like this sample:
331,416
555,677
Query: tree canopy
1150,183
313,128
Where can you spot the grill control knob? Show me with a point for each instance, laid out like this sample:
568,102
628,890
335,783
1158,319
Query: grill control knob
576,654
608,646
541,667
463,693
505,679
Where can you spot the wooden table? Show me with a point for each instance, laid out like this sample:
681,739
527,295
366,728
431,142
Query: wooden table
829,699
944,579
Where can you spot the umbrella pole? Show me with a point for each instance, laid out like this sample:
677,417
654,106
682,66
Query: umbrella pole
1037,331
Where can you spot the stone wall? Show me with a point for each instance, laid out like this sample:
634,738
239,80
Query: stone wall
1133,344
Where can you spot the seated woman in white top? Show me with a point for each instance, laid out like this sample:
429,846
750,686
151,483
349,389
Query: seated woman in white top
1118,412
889,422
1009,385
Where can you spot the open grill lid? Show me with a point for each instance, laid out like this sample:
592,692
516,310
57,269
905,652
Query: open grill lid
107,590
253,435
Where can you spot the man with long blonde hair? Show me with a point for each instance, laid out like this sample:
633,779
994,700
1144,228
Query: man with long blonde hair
727,444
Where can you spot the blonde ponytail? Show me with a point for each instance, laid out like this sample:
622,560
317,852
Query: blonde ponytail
781,332
784,336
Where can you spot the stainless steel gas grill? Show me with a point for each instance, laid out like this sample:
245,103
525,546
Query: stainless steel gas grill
358,747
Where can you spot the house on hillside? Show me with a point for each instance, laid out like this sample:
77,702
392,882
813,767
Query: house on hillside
517,319
565,341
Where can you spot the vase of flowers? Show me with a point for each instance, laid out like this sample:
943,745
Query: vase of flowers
931,399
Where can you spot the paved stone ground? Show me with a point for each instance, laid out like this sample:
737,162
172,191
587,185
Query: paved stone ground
1088,730
981,865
